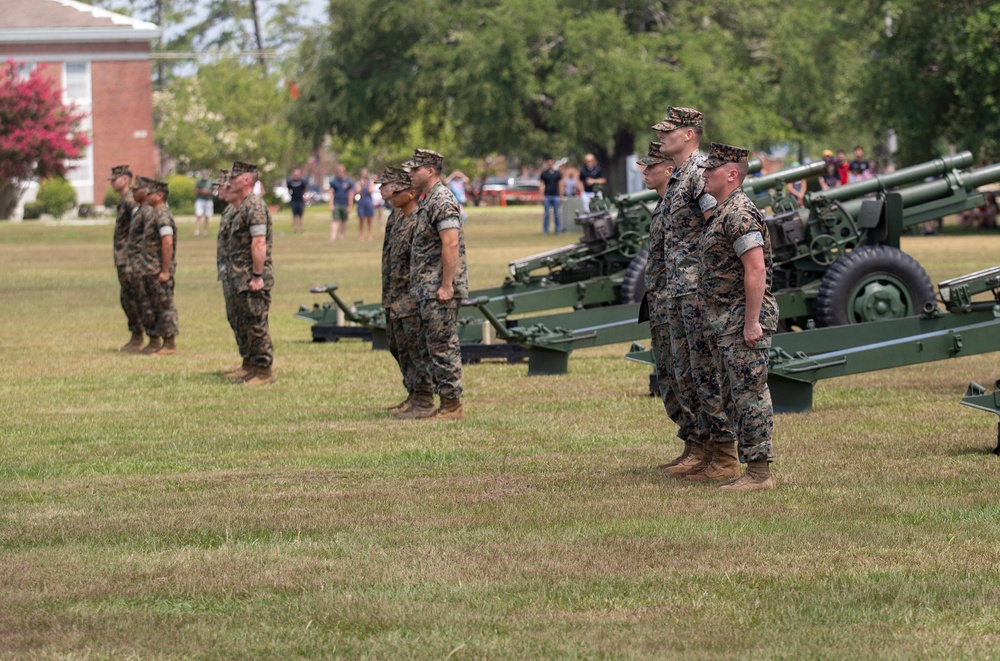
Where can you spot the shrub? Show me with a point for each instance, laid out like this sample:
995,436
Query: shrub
33,210
271,199
181,198
57,196
111,198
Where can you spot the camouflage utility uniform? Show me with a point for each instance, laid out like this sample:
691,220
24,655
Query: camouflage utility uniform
161,314
440,354
123,222
401,310
251,219
675,322
142,216
221,259
735,227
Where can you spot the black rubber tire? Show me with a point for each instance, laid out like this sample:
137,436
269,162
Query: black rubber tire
634,283
843,282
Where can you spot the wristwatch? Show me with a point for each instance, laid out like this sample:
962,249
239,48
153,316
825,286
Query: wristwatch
258,275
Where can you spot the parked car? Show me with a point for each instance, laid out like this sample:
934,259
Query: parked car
488,192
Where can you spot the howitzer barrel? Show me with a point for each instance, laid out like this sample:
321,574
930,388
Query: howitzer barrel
755,185
882,182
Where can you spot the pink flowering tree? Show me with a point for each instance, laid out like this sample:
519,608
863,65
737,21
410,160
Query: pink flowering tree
37,132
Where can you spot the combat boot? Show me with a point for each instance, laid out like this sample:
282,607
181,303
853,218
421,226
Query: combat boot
260,376
725,465
134,345
679,458
403,405
757,478
169,347
451,409
422,406
155,343
237,375
698,460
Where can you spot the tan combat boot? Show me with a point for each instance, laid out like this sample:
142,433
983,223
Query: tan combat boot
237,375
155,343
403,405
698,460
169,347
725,465
679,458
757,478
260,376
134,345
451,409
422,406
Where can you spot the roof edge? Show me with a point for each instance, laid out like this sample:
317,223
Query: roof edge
46,35
114,17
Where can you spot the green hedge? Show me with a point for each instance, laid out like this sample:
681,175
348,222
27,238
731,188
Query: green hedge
33,210
181,198
57,196
111,198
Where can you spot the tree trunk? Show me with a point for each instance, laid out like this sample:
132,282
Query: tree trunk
256,31
10,193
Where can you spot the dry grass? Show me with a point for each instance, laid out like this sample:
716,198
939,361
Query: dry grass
148,509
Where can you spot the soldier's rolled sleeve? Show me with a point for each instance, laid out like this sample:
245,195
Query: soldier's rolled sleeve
706,202
258,230
448,224
748,242
166,230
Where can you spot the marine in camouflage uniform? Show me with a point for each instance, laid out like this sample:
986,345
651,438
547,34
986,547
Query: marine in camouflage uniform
681,350
402,320
249,225
237,374
159,266
735,278
121,182
142,215
438,283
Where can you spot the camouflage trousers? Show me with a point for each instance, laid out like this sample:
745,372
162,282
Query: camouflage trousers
745,393
440,355
691,374
229,296
161,315
251,310
404,334
130,297
687,427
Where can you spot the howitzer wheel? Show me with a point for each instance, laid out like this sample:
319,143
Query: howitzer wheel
872,283
634,282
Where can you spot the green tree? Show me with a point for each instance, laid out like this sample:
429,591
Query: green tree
227,112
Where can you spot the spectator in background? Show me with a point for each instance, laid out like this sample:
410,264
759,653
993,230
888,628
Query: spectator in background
797,189
341,200
843,168
457,181
570,181
591,175
551,185
296,186
202,204
831,175
860,167
366,205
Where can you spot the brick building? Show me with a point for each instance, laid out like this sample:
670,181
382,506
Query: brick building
102,62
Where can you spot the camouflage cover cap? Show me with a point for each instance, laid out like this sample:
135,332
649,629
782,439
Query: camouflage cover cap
679,118
397,179
119,171
721,154
425,157
157,186
653,156
239,167
223,179
141,183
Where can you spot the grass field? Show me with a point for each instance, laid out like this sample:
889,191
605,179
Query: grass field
148,509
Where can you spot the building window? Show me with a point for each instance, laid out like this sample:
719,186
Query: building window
78,82
77,91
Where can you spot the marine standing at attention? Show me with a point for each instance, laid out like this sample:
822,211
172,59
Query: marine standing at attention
251,273
742,315
438,282
160,254
675,320
121,182
402,314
